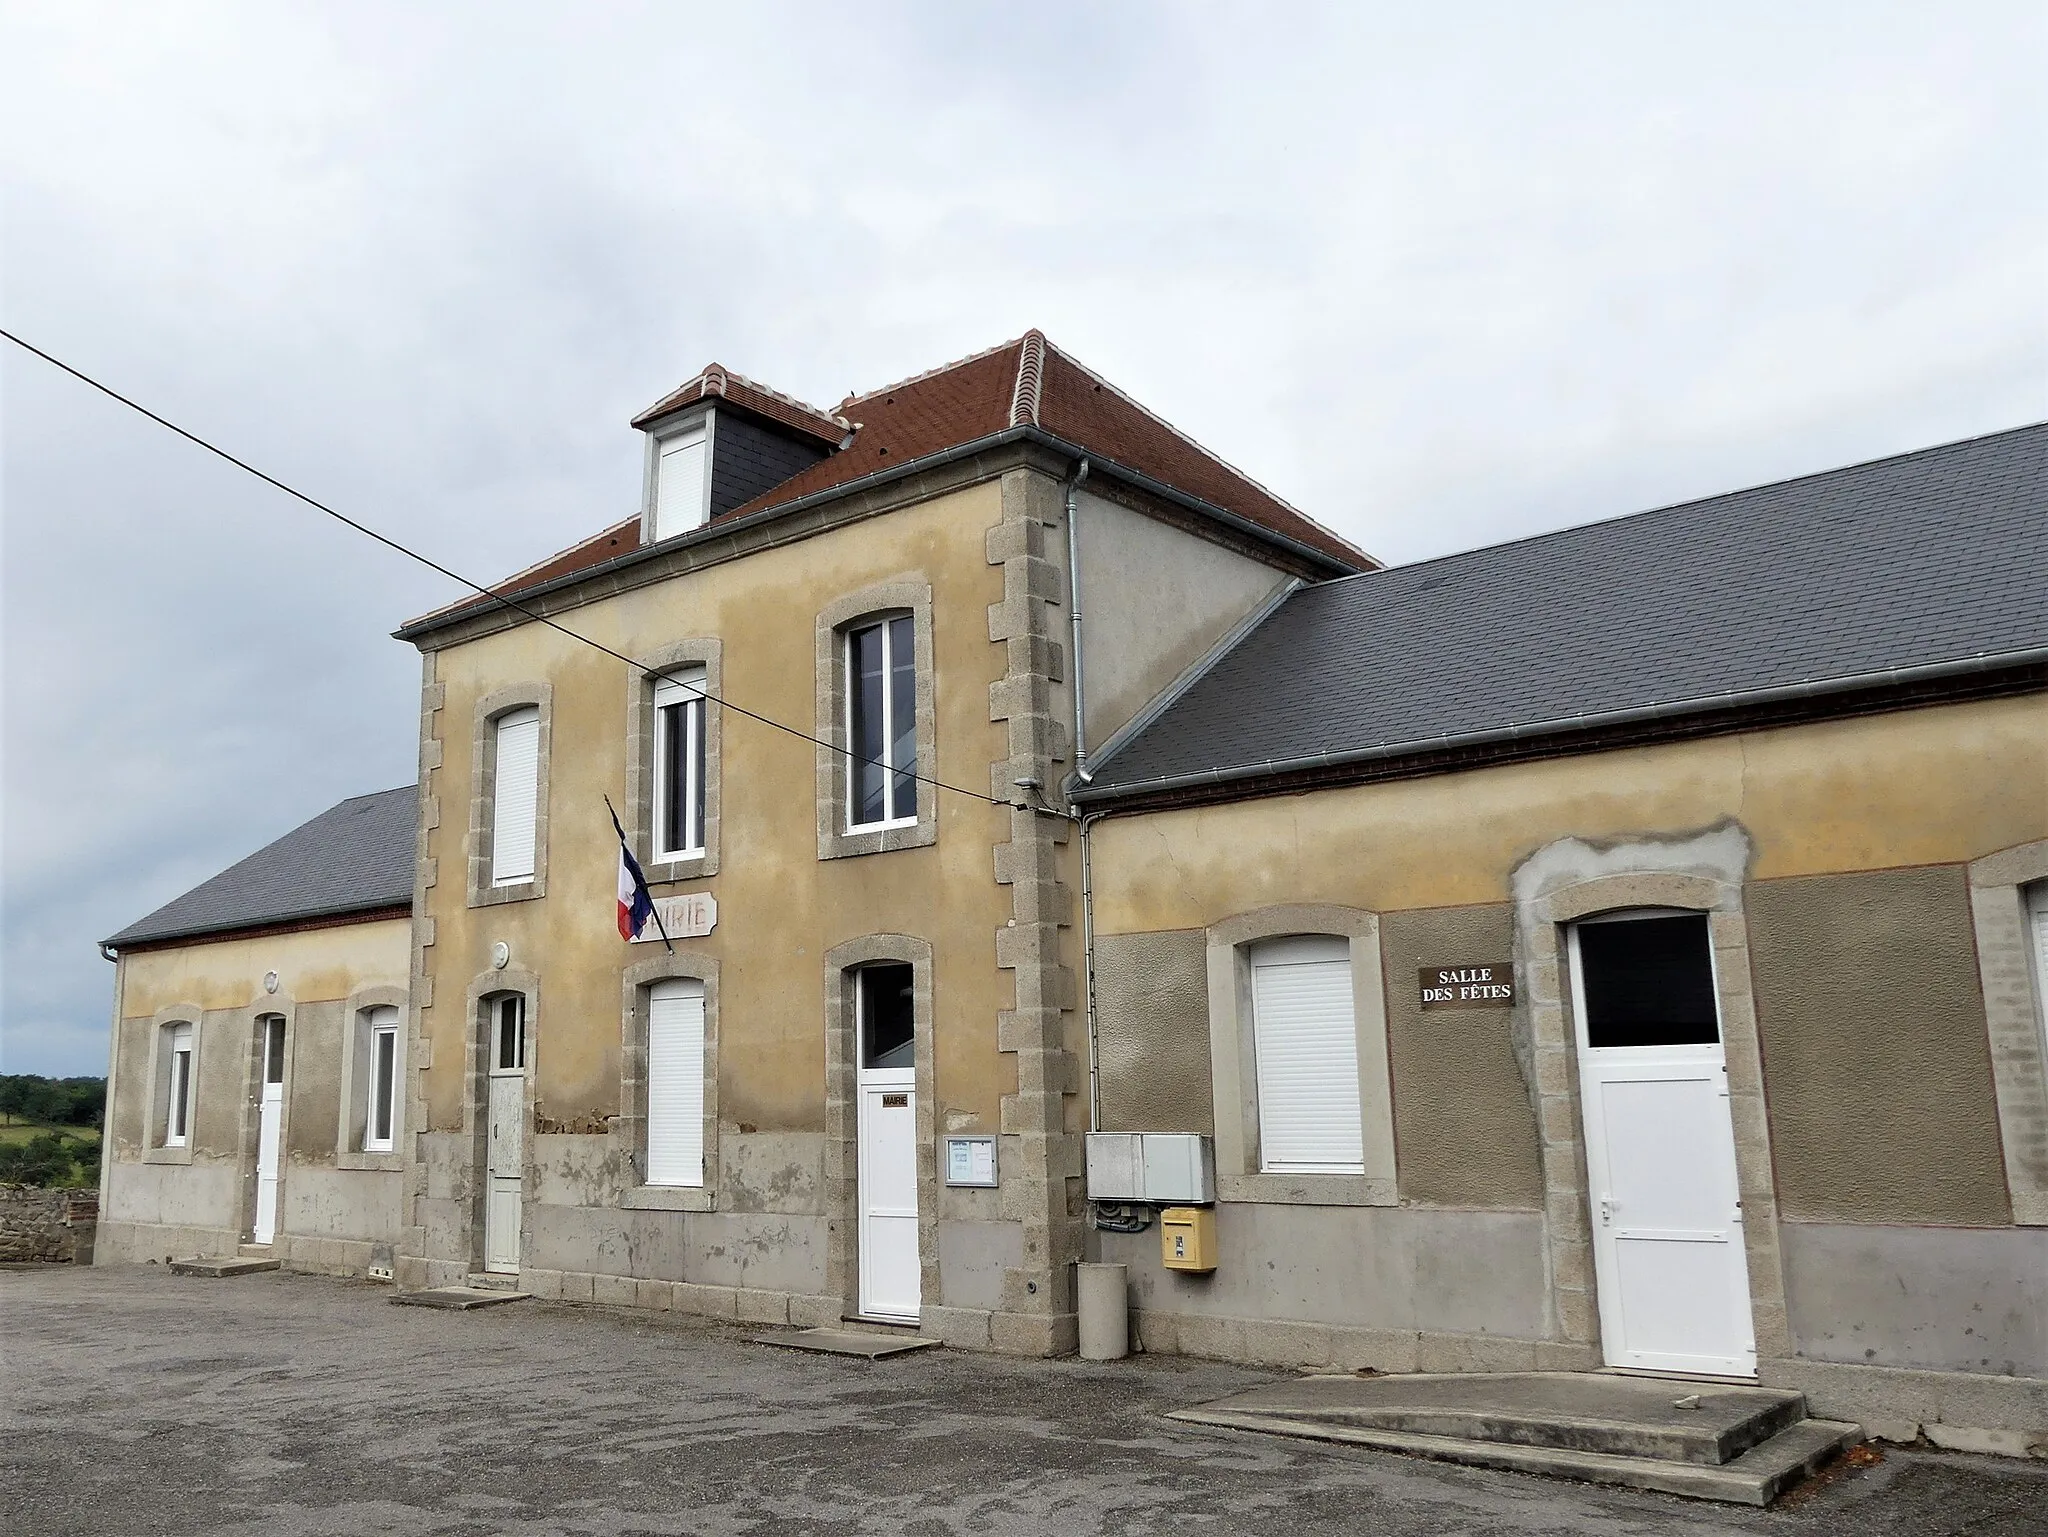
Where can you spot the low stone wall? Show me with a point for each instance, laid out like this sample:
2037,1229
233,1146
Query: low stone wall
53,1226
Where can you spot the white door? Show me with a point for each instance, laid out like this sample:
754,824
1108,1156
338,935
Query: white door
505,1153
1668,1254
887,1160
269,1130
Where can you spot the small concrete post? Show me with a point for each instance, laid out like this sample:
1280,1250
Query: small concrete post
1104,1304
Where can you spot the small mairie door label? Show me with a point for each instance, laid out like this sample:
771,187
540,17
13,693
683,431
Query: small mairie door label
1488,985
689,916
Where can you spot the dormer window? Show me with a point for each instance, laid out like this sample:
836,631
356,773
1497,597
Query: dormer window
682,480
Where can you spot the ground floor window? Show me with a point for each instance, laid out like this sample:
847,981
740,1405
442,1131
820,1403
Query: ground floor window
675,1082
178,1111
1305,1041
380,1121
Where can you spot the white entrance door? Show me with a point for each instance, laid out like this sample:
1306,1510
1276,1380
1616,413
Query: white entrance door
887,1161
269,1130
505,1152
1668,1254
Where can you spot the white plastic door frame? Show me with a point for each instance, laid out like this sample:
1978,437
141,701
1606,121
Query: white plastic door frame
1670,1264
505,1133
269,1130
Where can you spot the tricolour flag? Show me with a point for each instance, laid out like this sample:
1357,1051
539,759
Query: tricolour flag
636,903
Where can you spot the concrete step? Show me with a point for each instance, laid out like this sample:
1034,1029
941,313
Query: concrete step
217,1269
491,1280
1706,1424
254,1251
1756,1477
461,1299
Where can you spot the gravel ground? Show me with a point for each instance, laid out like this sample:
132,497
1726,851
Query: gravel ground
135,1402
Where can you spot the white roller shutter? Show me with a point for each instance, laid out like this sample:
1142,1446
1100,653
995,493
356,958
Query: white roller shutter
675,1083
679,486
1305,1034
516,796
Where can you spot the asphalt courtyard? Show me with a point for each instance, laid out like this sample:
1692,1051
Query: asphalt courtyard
132,1401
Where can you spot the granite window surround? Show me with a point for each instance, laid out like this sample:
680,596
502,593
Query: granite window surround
358,1079
161,1025
630,1127
266,1007
1233,1059
638,813
842,1109
909,594
2013,1014
1557,886
483,792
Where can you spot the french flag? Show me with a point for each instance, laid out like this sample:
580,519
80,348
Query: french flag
636,903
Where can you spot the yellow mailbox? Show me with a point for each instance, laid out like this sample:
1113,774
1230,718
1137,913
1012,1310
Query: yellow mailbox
1187,1238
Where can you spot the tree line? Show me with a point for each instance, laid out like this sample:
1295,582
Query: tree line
52,1101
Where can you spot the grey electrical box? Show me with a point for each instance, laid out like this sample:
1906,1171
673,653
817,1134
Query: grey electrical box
1161,1167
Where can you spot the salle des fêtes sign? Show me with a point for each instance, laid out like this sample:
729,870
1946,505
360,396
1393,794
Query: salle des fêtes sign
1490,985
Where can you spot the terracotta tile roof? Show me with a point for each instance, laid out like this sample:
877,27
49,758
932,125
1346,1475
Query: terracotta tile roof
1026,382
720,383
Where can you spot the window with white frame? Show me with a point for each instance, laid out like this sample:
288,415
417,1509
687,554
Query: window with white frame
2037,931
1305,1042
515,801
682,482
679,763
380,1112
179,1095
881,726
675,1082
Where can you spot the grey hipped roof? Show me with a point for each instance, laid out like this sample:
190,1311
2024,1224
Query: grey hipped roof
356,857
1929,558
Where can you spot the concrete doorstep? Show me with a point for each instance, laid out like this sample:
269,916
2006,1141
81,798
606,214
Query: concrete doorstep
218,1269
1736,1444
459,1298
844,1342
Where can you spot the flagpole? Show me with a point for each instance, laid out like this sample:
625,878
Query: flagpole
653,908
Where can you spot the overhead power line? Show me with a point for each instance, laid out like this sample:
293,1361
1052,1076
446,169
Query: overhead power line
477,587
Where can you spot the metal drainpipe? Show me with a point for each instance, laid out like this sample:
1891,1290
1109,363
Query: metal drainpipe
1081,773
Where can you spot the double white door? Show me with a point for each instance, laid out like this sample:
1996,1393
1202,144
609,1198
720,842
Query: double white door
1669,1259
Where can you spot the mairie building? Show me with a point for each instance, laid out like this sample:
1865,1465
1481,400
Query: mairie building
1625,947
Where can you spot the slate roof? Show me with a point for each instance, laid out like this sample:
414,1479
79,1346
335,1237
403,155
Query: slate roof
1930,557
356,857
1025,383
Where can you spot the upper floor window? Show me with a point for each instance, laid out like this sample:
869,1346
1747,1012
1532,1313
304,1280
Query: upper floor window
178,1108
881,671
679,764
516,796
682,482
1305,1044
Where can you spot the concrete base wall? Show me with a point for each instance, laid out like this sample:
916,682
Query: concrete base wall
337,1221
1922,1298
1962,1411
1386,1270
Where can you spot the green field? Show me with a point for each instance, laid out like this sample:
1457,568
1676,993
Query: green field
86,1137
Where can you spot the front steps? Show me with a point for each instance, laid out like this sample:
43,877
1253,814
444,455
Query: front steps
219,1269
1739,1444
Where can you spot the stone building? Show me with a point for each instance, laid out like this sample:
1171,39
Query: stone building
255,1084
1615,948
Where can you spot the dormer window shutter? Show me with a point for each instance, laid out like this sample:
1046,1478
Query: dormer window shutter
681,483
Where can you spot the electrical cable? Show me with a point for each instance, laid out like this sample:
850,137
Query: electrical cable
477,587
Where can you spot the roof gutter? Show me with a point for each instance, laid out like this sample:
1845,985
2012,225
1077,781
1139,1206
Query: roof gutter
428,624
1741,698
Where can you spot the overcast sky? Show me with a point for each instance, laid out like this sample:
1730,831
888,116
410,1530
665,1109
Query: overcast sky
1438,275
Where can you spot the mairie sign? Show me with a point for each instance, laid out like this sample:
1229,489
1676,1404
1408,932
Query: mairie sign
691,915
